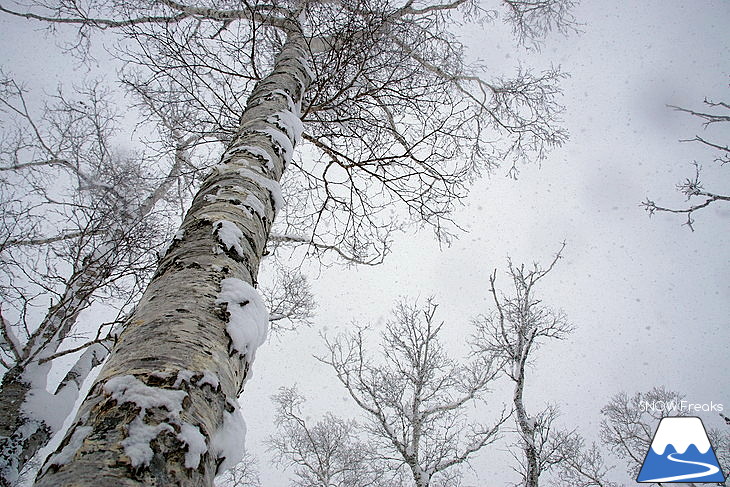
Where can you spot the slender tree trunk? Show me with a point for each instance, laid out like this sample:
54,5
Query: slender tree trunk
527,430
421,478
18,433
163,410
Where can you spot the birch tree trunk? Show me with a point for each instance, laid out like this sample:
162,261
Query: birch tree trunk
163,410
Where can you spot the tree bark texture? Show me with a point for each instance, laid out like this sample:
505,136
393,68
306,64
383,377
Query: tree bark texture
178,341
18,433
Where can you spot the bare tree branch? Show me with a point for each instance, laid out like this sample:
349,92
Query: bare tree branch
693,188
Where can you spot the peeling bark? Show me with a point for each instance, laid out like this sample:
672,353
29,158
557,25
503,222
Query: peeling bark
178,324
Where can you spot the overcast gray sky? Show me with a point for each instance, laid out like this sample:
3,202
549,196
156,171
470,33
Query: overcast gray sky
649,298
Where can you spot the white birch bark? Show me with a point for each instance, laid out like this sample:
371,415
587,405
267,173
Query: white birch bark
180,328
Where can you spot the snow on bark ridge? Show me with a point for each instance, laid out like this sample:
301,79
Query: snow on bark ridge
288,123
248,318
137,443
183,376
274,188
280,139
209,378
191,436
229,236
252,150
129,389
229,442
253,204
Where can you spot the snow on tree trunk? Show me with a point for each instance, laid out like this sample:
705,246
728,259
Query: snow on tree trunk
163,410
17,432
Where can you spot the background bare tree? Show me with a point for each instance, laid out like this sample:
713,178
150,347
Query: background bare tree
512,334
628,428
289,299
328,453
415,396
577,464
715,112
244,474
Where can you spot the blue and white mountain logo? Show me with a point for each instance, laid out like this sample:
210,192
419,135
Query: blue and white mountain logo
680,452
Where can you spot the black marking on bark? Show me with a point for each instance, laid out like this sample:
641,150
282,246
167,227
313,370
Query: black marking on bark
240,152
222,312
166,265
229,251
246,367
251,242
157,379
231,349
218,462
